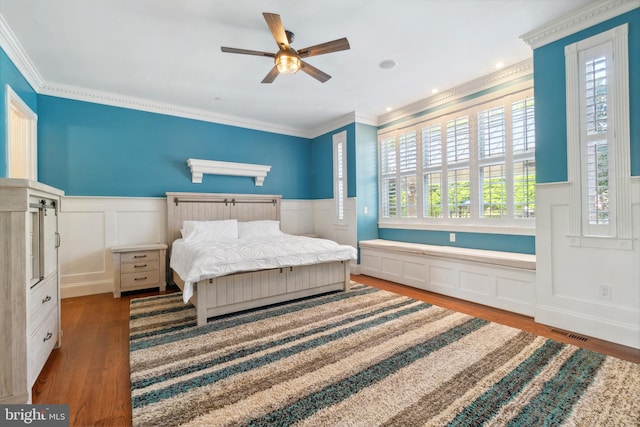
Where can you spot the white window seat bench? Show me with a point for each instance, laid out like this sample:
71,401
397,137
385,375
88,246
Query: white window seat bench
503,280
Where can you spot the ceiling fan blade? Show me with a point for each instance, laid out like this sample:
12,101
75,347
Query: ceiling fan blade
247,52
275,25
328,47
271,75
321,76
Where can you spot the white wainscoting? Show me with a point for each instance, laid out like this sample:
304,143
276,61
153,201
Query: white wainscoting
507,288
90,226
326,225
570,277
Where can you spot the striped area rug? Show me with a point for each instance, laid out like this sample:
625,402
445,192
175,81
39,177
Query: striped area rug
364,358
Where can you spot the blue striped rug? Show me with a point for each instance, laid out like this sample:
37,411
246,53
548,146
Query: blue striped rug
364,358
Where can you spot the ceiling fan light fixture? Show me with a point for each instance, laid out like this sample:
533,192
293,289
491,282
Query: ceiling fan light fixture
287,62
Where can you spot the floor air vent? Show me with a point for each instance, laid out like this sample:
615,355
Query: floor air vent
569,335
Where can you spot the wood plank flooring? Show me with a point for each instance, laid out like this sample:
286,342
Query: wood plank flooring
90,372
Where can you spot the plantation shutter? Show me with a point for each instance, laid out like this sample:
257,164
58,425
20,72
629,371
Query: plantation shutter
432,171
340,178
597,153
524,163
388,167
458,140
491,162
408,168
458,155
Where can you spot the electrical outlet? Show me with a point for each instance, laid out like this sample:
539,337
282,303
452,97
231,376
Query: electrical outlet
605,292
452,237
365,210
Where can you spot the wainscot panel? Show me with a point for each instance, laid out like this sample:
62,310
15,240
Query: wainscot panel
507,287
571,277
91,226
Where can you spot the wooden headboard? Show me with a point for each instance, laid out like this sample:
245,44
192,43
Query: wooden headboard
211,207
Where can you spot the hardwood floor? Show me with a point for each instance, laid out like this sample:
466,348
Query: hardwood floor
90,372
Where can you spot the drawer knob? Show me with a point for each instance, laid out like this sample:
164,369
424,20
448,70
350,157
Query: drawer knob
46,299
48,337
140,266
141,278
139,256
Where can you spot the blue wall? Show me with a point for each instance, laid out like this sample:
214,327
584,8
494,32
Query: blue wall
366,170
89,149
550,95
10,75
487,241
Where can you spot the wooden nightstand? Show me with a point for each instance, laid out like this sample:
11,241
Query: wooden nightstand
139,267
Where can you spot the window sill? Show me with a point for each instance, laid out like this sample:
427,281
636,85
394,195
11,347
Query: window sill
464,228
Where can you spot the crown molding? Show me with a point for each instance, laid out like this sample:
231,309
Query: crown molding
14,50
505,75
141,104
16,53
577,21
341,121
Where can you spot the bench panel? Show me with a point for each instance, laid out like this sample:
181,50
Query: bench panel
474,278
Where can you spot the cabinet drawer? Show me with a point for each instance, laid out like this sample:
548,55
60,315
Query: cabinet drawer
139,256
42,299
140,280
136,267
41,343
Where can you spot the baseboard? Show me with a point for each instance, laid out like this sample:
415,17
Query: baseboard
86,288
355,269
620,333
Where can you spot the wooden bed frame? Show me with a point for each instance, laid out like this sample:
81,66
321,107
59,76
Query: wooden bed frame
242,291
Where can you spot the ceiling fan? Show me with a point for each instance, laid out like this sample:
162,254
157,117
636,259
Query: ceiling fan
288,60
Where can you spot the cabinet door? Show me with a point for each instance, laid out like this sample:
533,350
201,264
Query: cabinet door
49,241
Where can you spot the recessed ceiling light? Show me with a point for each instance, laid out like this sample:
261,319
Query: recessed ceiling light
388,64
389,108
434,90
499,65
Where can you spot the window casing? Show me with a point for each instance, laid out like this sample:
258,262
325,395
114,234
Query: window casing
598,140
473,167
22,128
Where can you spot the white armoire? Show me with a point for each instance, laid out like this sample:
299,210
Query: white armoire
29,284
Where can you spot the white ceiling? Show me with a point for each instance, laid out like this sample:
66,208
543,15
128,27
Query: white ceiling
168,51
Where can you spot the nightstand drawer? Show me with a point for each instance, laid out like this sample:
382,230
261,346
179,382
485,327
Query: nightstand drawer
138,280
137,267
139,256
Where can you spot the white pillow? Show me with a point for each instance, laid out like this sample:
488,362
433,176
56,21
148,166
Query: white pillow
257,229
210,231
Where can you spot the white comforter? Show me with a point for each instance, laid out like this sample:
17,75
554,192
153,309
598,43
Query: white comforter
195,261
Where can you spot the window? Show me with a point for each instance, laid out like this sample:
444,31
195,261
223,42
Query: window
476,165
598,138
407,170
524,165
388,152
22,156
432,171
340,173
596,141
